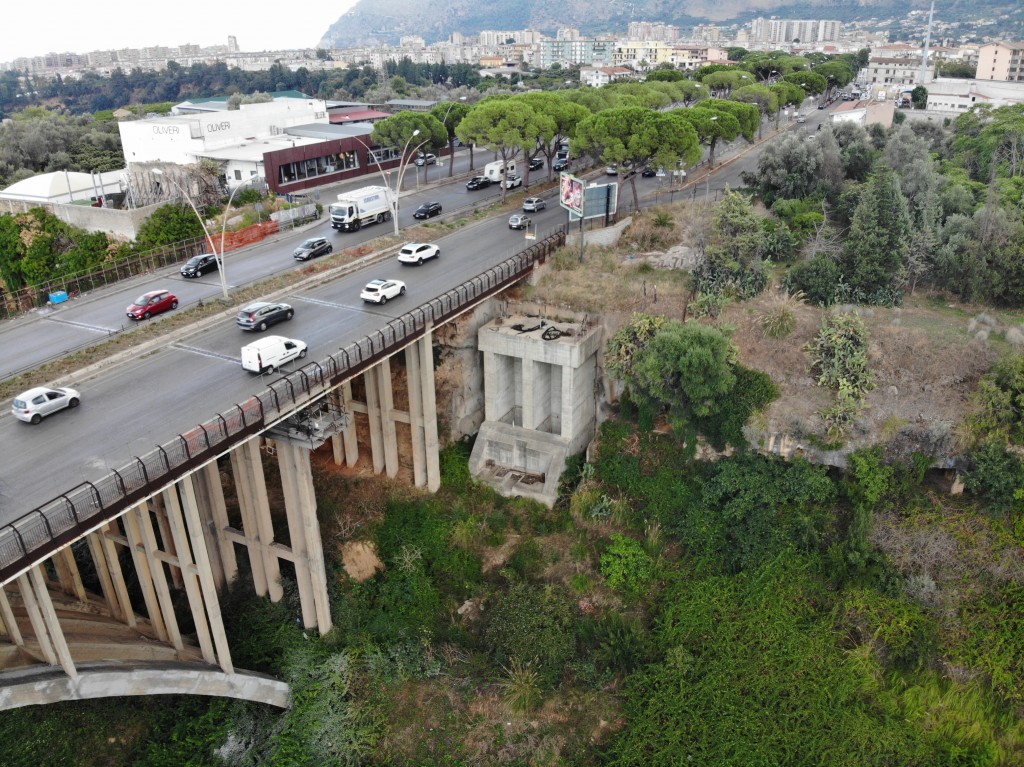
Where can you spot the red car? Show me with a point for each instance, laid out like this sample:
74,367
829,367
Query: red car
153,302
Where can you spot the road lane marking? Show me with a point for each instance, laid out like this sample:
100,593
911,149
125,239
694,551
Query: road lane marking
207,353
84,325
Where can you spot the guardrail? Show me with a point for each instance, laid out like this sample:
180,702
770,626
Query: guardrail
36,535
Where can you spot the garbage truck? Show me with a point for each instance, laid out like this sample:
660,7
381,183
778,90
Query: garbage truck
355,209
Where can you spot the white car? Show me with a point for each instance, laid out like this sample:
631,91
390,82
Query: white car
379,291
35,404
418,252
512,181
533,204
426,159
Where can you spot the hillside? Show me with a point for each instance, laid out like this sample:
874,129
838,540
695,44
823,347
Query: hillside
385,21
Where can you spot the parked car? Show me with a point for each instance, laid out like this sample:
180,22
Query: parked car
516,221
311,248
478,182
379,291
512,181
562,163
536,163
426,159
35,404
801,119
261,315
418,252
153,302
199,265
611,170
533,204
649,172
428,210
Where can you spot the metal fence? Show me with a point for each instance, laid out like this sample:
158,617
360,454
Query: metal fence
36,535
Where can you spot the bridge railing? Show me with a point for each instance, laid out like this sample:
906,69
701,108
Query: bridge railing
34,536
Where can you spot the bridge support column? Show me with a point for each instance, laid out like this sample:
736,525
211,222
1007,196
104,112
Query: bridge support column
210,496
419,447
43,617
256,522
425,345
387,416
189,535
371,379
108,565
348,434
307,554
152,577
8,623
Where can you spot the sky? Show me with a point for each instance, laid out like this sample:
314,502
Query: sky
37,27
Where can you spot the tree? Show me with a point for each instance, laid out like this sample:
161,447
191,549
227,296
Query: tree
787,169
506,126
633,137
811,82
564,115
450,114
876,249
710,126
399,131
919,97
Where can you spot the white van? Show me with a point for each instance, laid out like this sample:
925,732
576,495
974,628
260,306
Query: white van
271,352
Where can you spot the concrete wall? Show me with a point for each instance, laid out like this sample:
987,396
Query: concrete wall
118,224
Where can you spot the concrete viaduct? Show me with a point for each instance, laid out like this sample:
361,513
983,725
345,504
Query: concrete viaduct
162,522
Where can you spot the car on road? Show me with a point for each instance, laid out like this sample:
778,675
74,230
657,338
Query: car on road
649,172
418,252
516,221
536,163
478,182
611,170
381,291
534,204
269,353
35,404
262,314
512,181
311,248
199,265
426,159
562,163
153,302
427,210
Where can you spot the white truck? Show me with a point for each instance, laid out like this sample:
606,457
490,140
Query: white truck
355,209
497,170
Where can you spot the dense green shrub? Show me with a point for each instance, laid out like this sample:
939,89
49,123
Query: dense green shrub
816,279
995,476
899,630
260,632
535,624
627,567
527,561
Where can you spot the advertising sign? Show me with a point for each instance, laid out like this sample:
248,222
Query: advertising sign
599,200
571,193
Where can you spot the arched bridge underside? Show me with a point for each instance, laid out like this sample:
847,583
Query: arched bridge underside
114,588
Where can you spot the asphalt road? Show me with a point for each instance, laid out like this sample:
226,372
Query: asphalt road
129,408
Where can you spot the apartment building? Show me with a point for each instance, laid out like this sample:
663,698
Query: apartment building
775,30
884,72
1001,61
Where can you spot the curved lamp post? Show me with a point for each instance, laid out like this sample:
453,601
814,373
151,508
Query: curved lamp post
403,164
209,239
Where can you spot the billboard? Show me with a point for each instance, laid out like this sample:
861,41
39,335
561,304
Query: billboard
599,200
571,193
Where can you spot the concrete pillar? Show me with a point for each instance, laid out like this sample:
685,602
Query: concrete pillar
348,434
209,493
68,575
431,442
370,379
105,536
568,400
419,448
259,529
141,519
142,572
337,441
166,543
186,568
529,404
43,618
304,534
102,568
490,388
387,417
192,536
10,623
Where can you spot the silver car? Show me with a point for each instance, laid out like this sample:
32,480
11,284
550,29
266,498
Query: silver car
35,404
533,204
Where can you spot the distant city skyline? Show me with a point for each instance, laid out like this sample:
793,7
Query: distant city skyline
62,26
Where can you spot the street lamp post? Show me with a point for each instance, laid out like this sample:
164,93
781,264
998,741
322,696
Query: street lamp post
223,231
403,164
209,239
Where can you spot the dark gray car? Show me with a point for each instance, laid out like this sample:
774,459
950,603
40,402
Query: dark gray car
262,314
311,248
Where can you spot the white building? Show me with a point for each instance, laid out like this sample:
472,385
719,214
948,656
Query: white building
954,96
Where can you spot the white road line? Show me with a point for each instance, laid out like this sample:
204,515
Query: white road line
206,353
